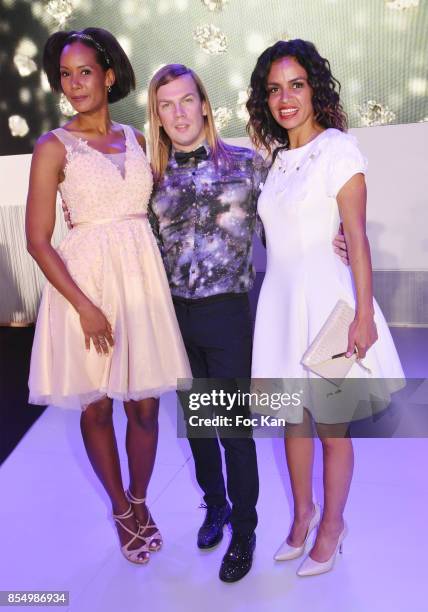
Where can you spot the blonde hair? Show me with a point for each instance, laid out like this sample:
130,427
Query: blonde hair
159,142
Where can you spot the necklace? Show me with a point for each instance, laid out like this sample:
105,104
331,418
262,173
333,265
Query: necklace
285,167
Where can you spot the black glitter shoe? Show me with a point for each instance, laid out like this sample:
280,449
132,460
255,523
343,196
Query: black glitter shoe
211,531
238,559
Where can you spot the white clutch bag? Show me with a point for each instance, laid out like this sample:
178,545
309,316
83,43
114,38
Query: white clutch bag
326,355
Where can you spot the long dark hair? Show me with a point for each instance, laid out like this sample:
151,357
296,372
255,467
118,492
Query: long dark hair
262,128
109,54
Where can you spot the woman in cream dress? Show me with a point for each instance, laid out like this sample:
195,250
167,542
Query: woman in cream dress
106,327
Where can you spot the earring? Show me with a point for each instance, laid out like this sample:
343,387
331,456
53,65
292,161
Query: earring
109,88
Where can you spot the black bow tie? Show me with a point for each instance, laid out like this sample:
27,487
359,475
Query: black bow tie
199,154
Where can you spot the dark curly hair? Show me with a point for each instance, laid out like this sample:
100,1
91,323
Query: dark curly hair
262,128
109,54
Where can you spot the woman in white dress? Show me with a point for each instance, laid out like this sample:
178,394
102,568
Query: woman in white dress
315,181
106,327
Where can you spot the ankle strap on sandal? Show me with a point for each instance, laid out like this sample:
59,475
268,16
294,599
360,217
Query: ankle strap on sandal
132,499
125,515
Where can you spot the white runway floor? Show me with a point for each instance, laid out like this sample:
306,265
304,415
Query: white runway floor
56,534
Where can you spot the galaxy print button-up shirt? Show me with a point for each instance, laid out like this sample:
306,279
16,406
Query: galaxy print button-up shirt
204,218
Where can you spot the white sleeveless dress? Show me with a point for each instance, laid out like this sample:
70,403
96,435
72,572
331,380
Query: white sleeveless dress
304,277
113,257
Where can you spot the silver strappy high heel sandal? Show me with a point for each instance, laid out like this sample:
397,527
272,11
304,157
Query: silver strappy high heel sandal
133,555
155,540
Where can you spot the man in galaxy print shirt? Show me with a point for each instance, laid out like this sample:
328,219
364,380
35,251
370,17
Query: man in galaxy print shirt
203,212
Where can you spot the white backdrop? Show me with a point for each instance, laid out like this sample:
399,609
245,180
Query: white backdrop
397,213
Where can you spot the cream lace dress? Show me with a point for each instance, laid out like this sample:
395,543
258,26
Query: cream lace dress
113,257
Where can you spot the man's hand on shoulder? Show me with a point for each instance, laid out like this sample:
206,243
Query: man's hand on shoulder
339,244
67,217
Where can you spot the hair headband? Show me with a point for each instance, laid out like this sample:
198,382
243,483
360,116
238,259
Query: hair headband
94,42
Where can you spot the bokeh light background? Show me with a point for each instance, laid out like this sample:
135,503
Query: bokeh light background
378,49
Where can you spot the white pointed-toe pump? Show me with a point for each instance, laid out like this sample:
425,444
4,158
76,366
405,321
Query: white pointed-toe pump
286,552
310,567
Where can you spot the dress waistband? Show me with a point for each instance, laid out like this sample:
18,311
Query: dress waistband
111,219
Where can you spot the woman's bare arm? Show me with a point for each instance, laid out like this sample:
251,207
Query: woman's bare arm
46,167
351,200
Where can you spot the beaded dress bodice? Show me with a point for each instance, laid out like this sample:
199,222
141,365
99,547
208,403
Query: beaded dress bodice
94,186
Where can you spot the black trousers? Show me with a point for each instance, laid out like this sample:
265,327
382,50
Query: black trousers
218,339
